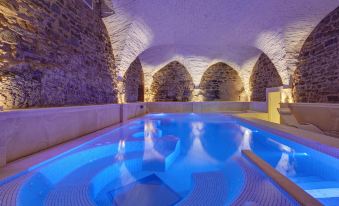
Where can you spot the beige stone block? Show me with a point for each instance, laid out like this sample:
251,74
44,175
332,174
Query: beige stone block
170,107
133,110
324,116
224,106
24,132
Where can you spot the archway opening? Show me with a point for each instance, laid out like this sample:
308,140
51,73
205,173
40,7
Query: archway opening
264,75
172,83
134,87
221,82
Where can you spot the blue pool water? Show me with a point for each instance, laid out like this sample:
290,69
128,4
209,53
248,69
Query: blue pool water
174,159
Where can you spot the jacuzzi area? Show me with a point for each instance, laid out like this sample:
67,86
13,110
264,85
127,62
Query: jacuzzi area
178,159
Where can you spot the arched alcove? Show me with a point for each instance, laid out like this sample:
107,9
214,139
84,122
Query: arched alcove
134,82
316,78
264,75
172,83
221,82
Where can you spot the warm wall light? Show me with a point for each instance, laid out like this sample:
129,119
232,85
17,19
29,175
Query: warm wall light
286,95
121,92
148,97
245,96
197,96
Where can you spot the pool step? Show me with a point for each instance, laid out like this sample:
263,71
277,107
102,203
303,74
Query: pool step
319,185
330,201
160,153
327,192
75,190
329,195
150,190
70,195
209,189
305,179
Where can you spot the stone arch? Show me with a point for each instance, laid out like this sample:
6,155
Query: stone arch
172,83
134,86
316,78
221,82
264,75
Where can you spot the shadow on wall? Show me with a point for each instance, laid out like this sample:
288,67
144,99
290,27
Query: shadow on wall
316,78
54,55
172,83
221,82
264,75
134,82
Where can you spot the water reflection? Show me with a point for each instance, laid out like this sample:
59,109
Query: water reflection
151,132
281,147
150,129
246,140
197,153
286,165
197,129
125,176
123,170
121,150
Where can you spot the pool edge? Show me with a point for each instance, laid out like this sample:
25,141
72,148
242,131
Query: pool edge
323,143
290,187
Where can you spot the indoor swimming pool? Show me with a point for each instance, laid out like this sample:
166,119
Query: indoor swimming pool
176,159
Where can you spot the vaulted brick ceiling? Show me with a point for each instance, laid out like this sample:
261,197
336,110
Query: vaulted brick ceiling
199,33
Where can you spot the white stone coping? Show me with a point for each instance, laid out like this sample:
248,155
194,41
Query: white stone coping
30,111
320,105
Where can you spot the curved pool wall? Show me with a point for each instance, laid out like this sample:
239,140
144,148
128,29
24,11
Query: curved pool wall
208,143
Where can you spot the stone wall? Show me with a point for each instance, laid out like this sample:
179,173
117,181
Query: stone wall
221,82
264,75
134,82
54,53
316,78
172,83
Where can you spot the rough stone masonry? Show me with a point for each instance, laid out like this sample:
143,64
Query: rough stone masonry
316,78
54,53
221,82
172,83
264,75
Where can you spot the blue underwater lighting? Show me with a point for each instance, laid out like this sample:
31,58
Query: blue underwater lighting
178,154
